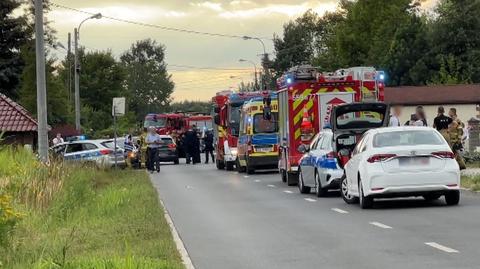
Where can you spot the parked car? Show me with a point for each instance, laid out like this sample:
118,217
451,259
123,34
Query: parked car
134,157
322,165
401,162
168,150
319,168
98,152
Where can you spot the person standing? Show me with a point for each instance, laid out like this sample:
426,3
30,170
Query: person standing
189,144
58,139
421,117
208,140
455,131
441,122
153,142
395,117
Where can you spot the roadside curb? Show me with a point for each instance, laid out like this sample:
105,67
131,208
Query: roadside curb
470,191
178,240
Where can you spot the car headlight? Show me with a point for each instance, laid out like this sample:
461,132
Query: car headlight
233,151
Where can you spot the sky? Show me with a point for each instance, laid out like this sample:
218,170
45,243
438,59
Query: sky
188,55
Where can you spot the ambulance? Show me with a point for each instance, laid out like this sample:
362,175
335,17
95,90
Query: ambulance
306,98
257,146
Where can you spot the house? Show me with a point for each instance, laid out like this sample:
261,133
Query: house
16,123
465,98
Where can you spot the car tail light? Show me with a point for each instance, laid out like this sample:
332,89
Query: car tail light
105,151
275,148
331,155
452,185
377,189
380,157
172,146
444,154
249,149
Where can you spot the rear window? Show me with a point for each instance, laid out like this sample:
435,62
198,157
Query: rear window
360,119
261,125
167,140
407,138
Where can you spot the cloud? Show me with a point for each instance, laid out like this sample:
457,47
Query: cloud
209,5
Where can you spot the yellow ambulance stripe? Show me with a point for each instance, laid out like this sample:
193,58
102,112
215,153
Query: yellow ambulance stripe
298,133
304,96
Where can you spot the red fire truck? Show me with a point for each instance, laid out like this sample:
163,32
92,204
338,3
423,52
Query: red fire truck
227,106
305,99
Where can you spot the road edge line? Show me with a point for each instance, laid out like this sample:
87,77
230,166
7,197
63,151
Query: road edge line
177,239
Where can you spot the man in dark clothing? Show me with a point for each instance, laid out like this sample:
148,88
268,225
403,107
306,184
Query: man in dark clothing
441,122
208,139
192,145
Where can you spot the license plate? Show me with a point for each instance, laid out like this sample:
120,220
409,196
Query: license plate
263,149
414,161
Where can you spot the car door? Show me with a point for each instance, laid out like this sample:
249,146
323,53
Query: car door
352,165
73,151
315,154
306,163
323,151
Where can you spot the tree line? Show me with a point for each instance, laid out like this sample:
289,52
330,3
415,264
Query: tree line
412,45
139,74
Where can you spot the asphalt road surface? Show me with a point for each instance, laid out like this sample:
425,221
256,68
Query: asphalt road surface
231,220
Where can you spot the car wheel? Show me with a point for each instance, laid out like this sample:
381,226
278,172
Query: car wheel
365,201
240,168
301,187
220,164
230,166
346,196
452,197
431,197
283,174
321,192
176,161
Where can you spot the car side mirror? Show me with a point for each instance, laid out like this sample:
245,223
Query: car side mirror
303,148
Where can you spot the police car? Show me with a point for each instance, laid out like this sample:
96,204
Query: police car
98,152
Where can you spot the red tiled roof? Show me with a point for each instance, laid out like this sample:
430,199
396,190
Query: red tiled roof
15,118
433,95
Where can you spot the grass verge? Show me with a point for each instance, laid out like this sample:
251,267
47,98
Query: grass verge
471,182
94,219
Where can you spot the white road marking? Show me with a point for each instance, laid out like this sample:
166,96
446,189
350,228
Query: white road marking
440,247
271,186
246,176
257,180
288,191
188,187
381,225
310,200
338,210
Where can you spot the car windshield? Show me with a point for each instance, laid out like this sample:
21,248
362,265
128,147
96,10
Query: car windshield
157,123
360,119
406,138
111,144
234,118
202,124
261,125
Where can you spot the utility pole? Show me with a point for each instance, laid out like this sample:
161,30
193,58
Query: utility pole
69,66
255,68
265,62
77,83
42,128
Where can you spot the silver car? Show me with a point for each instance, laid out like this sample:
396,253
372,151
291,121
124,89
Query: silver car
98,152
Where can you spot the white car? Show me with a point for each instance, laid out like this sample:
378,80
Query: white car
401,162
98,152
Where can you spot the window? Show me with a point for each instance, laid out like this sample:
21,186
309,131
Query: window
88,146
326,142
407,138
59,150
315,140
72,148
360,146
155,122
261,125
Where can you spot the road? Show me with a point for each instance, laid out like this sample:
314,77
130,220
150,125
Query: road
231,220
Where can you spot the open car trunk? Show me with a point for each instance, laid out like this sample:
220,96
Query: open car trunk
350,121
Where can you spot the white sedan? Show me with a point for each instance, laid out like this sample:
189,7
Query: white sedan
401,162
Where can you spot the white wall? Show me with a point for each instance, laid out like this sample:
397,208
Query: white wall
464,112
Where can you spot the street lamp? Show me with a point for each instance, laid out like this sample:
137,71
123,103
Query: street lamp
255,67
264,60
77,71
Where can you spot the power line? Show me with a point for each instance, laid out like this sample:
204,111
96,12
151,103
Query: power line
209,68
166,28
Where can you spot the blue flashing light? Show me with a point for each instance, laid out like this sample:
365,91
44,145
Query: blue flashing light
82,137
381,75
289,80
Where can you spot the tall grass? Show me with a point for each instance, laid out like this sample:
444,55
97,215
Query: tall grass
82,217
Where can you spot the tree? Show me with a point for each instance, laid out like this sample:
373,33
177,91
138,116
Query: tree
148,83
101,79
15,32
297,46
455,39
191,106
58,107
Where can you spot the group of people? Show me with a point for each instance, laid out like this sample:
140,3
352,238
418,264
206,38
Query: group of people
450,126
191,145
